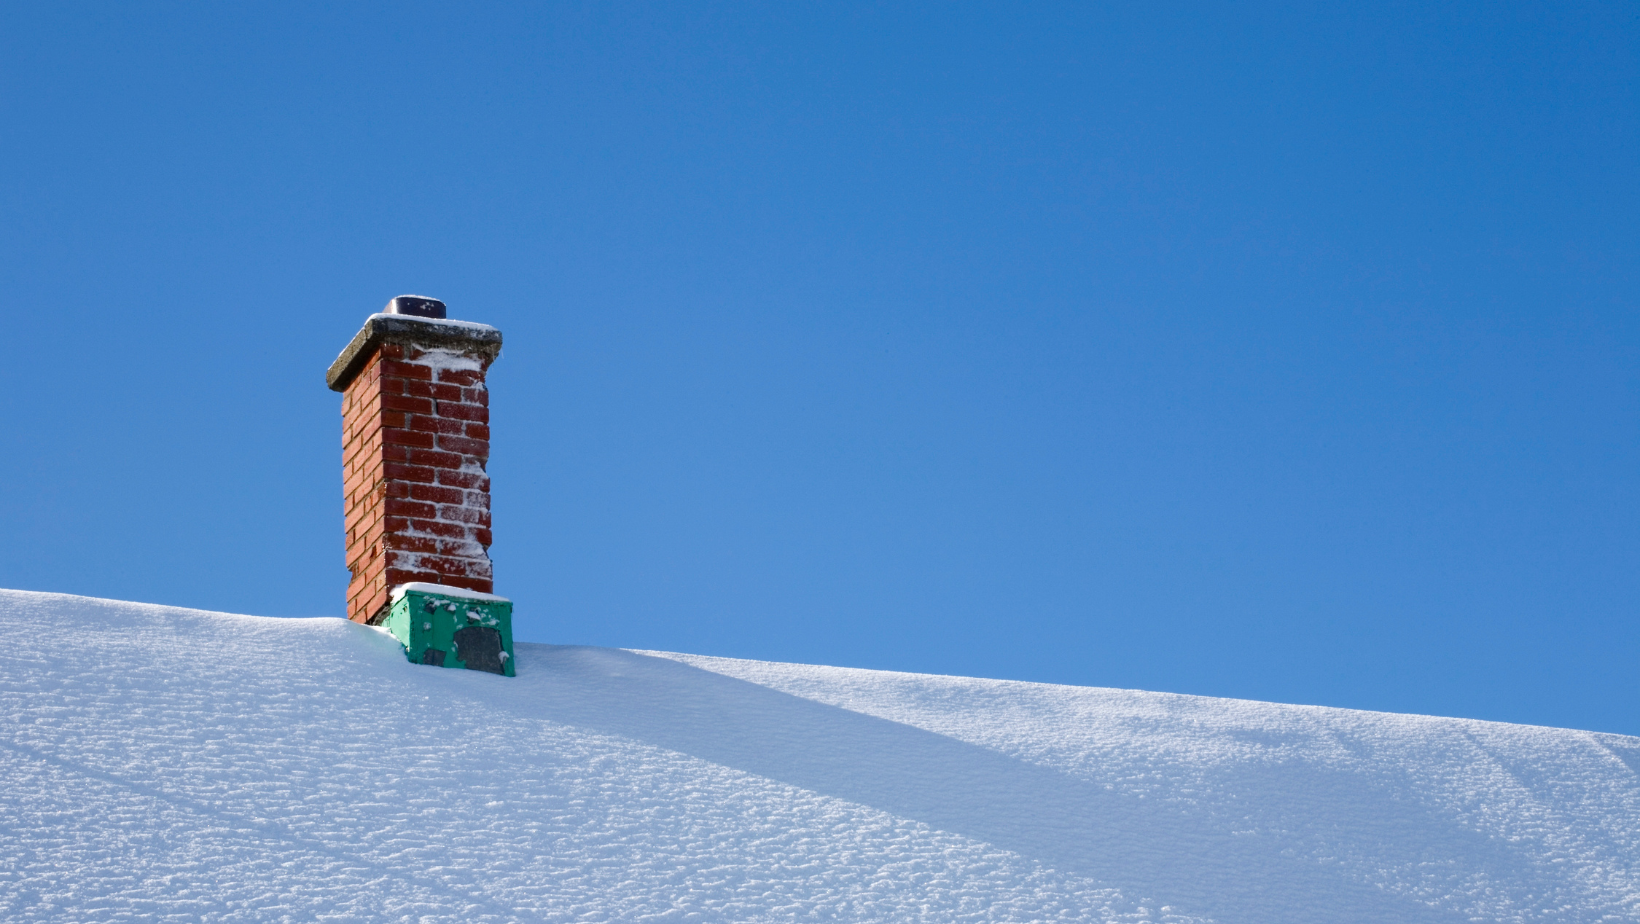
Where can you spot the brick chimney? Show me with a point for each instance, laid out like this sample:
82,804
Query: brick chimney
415,438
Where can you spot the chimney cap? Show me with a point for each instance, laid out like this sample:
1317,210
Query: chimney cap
416,306
427,333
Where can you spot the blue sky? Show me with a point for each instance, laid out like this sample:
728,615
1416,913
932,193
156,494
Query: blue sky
1273,352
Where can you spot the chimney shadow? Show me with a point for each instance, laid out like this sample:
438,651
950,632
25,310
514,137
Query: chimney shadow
1157,850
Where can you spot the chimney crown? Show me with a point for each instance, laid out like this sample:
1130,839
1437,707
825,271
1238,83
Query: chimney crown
436,333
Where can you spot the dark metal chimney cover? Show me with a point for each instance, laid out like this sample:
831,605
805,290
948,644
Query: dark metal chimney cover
416,306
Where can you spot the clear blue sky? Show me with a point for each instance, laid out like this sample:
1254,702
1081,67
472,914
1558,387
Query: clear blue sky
1279,352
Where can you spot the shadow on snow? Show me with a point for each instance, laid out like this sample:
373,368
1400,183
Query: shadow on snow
1150,849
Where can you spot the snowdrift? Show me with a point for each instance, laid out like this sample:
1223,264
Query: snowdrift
168,764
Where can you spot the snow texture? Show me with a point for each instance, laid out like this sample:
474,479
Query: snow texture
178,765
441,359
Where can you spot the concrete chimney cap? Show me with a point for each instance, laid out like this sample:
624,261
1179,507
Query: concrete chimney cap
428,333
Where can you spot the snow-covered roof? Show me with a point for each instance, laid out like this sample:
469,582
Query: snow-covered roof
164,764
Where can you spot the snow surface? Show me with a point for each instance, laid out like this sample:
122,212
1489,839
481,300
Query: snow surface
178,765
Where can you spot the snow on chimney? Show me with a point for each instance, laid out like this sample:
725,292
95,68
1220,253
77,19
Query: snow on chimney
416,438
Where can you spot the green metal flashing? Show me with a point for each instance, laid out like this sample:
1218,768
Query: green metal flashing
448,630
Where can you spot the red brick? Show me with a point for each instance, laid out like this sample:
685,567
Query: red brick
360,448
361,548
437,495
366,526
456,567
365,597
401,472
365,422
471,412
435,458
443,530
417,508
399,576
460,479
395,507
408,438
482,585
358,536
405,543
436,424
366,533
464,445
407,370
403,558
358,478
452,513
407,403
363,465
459,547
362,456
440,563
460,376
354,503
362,438
430,390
